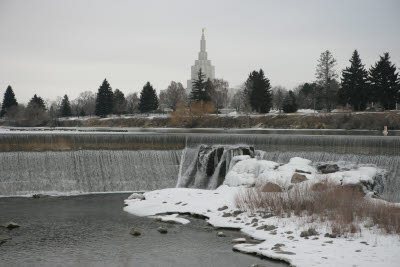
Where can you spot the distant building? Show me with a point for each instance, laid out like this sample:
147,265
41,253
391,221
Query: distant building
202,63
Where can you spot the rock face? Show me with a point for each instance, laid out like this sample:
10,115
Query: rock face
298,178
212,163
11,225
328,168
271,187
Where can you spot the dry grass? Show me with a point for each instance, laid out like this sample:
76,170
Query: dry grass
344,207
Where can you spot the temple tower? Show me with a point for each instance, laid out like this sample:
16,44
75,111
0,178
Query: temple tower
201,63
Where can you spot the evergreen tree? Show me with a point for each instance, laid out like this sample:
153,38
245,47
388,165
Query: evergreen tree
104,100
8,101
36,102
209,89
354,90
289,103
199,92
65,108
119,102
384,82
148,99
258,91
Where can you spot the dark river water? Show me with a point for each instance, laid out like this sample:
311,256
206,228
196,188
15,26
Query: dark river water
93,230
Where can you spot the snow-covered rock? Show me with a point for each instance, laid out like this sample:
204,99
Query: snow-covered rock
252,171
172,218
136,196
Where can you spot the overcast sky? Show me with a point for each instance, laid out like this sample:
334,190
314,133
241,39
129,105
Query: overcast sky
53,48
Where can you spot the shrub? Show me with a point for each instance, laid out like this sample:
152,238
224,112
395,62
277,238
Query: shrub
191,116
343,206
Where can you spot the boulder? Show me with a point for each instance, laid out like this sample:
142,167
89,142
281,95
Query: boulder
221,234
237,212
162,230
11,225
271,187
309,232
223,208
254,220
137,196
135,232
298,178
330,235
328,168
266,227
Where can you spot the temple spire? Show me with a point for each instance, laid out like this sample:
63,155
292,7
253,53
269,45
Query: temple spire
203,53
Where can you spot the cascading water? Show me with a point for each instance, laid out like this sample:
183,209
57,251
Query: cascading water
87,171
88,162
210,165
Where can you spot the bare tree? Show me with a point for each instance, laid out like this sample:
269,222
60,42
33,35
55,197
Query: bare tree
326,75
132,103
240,101
278,96
84,104
174,94
219,96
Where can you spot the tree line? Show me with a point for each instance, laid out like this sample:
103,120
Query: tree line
358,88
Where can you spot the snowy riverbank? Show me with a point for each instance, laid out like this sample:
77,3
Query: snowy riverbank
281,237
370,247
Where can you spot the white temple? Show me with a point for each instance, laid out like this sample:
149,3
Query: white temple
202,63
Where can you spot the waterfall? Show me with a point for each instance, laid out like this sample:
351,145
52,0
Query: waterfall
105,162
210,164
87,171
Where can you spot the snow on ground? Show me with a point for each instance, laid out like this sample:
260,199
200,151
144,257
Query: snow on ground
370,248
306,111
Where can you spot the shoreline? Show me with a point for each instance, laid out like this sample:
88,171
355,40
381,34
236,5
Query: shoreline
368,248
